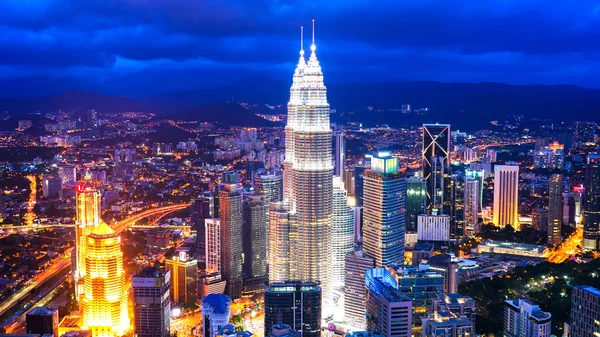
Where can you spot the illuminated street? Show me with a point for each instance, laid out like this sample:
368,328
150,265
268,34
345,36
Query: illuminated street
568,248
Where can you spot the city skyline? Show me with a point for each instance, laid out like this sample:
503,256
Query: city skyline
286,220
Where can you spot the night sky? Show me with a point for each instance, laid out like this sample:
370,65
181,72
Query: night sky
151,46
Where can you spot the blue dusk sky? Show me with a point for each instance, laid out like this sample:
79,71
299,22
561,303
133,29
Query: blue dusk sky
153,46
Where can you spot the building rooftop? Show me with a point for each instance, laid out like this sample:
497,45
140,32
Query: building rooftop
43,311
514,245
423,246
590,289
219,302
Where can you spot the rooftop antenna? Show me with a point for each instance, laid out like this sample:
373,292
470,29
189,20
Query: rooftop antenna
301,40
313,47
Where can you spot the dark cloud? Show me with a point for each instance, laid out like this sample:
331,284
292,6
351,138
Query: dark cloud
517,41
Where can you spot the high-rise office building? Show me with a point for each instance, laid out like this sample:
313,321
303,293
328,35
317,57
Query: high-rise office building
568,209
421,284
357,264
389,311
255,230
539,219
216,309
585,312
104,300
506,195
282,236
230,213
212,242
416,201
151,303
270,184
67,173
472,199
308,173
478,175
42,321
525,319
384,212
342,232
184,277
297,304
87,218
591,208
436,166
340,153
51,186
202,208
555,209
434,227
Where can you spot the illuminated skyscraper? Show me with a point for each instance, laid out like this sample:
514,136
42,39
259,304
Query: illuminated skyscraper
308,174
88,218
506,195
416,198
184,278
384,211
104,300
282,236
230,213
342,237
340,153
270,184
436,166
255,232
591,208
479,175
472,201
555,209
151,303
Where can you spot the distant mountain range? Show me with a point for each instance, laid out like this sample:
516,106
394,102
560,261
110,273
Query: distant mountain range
469,105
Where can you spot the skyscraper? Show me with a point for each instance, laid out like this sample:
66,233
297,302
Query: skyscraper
88,217
270,184
506,195
525,319
104,300
389,311
202,208
212,239
591,208
308,188
282,248
585,312
151,303
436,166
342,237
357,264
472,201
255,232
384,212
340,153
555,209
479,175
68,173
230,213
184,278
297,304
416,201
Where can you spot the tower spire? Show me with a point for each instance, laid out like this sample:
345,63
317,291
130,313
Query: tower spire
313,46
301,40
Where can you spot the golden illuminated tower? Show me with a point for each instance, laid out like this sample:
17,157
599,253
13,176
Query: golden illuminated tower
88,218
104,298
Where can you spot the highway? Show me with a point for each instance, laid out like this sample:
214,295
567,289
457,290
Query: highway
567,248
42,277
159,213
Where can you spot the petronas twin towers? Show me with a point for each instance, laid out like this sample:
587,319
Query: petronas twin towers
308,179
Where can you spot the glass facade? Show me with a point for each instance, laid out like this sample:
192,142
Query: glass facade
297,304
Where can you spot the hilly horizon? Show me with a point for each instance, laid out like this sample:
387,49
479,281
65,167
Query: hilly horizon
472,105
